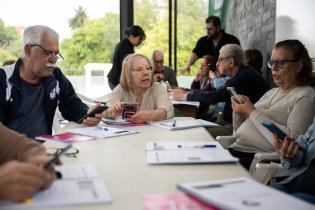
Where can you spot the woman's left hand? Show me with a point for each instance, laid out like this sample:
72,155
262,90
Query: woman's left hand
244,109
141,117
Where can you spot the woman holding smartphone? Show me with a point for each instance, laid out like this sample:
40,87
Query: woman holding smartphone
137,87
290,106
300,155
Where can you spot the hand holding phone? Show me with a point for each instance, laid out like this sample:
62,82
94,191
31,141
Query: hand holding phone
92,113
274,129
56,157
129,109
234,94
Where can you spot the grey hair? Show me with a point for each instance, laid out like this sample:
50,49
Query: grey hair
155,52
34,35
233,51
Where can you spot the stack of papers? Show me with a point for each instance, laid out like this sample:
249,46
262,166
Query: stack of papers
102,131
187,152
184,124
192,103
118,121
80,184
242,193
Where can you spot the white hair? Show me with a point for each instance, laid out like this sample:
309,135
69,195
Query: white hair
233,51
155,52
34,35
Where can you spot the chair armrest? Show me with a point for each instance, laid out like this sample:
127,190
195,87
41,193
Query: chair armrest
263,158
226,141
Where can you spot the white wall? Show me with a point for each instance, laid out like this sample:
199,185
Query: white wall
295,19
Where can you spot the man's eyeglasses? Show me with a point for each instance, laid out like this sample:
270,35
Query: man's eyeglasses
280,63
55,55
72,152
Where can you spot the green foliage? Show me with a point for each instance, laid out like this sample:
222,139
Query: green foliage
79,18
190,24
92,43
10,43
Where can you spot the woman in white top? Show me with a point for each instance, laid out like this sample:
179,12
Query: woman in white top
137,86
291,106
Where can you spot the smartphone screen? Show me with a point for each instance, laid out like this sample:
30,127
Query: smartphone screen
234,94
129,109
274,129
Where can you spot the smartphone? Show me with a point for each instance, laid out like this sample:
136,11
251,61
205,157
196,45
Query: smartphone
92,113
129,109
234,94
56,157
274,129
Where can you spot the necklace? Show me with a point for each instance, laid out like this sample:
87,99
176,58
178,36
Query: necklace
275,98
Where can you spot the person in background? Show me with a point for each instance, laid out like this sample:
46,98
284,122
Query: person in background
137,86
211,43
202,79
300,155
21,166
290,106
243,79
134,36
161,72
254,59
33,87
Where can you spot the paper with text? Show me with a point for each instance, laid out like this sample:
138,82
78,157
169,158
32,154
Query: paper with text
102,131
242,193
187,152
80,185
185,124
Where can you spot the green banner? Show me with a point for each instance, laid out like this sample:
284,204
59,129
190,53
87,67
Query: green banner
219,8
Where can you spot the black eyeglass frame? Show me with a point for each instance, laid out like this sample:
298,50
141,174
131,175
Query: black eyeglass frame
49,53
72,152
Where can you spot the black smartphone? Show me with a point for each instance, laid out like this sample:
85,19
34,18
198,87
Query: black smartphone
92,113
129,109
57,156
274,129
234,94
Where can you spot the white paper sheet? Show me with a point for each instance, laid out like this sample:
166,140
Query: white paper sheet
185,124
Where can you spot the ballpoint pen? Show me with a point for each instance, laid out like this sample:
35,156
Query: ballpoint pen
174,123
197,146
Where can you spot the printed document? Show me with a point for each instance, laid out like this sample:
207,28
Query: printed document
187,153
242,193
102,131
80,184
184,124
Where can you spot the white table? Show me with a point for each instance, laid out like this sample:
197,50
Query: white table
120,161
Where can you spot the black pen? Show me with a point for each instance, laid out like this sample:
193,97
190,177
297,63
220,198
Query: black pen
56,157
174,123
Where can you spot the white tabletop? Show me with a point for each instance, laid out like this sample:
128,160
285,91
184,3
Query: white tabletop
121,162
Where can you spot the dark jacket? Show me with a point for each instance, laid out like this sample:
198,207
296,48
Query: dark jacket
58,92
122,49
246,81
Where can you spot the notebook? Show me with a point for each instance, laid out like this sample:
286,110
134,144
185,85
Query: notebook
165,152
242,193
80,185
185,124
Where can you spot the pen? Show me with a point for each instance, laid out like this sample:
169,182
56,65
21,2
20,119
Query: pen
56,157
103,128
197,146
218,184
174,123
